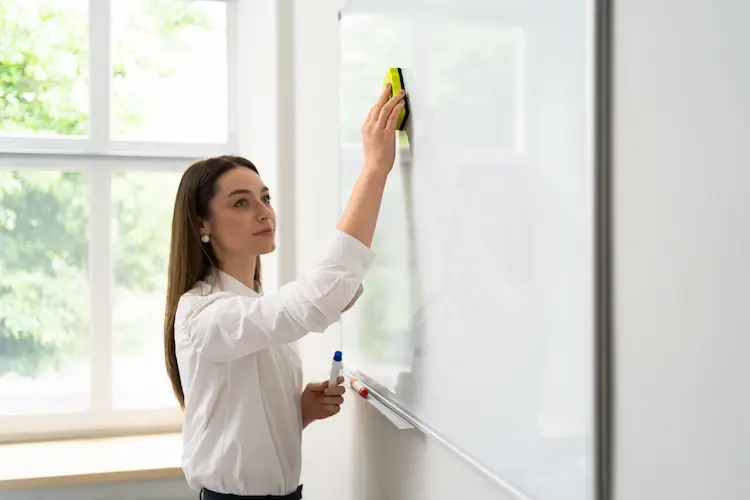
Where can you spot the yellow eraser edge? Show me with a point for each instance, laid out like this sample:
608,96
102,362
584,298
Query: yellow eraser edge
392,77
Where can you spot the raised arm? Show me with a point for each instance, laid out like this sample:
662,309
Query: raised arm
224,326
379,140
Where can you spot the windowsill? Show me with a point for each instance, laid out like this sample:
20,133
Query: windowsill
89,461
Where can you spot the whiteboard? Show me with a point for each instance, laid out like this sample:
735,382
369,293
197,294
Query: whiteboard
478,318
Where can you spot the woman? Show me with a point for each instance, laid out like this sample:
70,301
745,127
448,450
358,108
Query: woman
229,350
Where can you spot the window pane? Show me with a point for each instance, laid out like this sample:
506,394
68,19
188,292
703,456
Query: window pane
44,61
44,310
169,70
142,220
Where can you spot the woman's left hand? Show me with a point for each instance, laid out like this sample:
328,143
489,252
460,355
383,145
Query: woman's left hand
320,401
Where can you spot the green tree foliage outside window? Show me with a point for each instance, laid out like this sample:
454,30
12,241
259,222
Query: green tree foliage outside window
44,215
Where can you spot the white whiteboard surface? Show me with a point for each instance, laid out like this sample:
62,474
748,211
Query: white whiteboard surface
478,318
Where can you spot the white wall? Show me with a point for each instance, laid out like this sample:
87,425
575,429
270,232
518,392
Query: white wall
682,241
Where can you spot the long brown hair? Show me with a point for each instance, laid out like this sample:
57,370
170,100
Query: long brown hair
189,259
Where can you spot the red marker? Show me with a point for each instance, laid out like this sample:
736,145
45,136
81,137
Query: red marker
357,386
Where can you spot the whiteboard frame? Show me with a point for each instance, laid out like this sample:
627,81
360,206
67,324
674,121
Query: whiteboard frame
602,12
601,15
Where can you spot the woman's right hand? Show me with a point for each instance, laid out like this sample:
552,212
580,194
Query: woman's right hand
378,131
379,138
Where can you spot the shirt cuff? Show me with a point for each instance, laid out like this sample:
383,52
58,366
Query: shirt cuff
349,252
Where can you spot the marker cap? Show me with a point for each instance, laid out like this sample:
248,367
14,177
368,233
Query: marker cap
359,387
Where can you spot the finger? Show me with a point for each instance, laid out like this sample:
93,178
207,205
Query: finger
332,409
335,391
393,118
317,386
340,380
369,115
385,111
333,400
382,100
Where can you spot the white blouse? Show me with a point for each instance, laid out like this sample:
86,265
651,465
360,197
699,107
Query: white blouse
241,372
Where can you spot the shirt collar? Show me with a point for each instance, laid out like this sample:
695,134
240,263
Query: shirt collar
224,282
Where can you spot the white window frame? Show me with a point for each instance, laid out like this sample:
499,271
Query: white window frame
99,157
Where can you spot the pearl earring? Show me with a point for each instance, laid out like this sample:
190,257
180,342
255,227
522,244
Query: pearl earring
205,238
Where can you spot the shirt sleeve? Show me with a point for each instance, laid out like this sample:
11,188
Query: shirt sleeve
225,326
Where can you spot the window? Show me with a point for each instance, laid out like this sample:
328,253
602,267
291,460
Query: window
169,71
103,104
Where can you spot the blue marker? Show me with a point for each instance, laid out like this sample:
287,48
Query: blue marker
335,369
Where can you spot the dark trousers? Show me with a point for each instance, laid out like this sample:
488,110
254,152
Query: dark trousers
212,495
